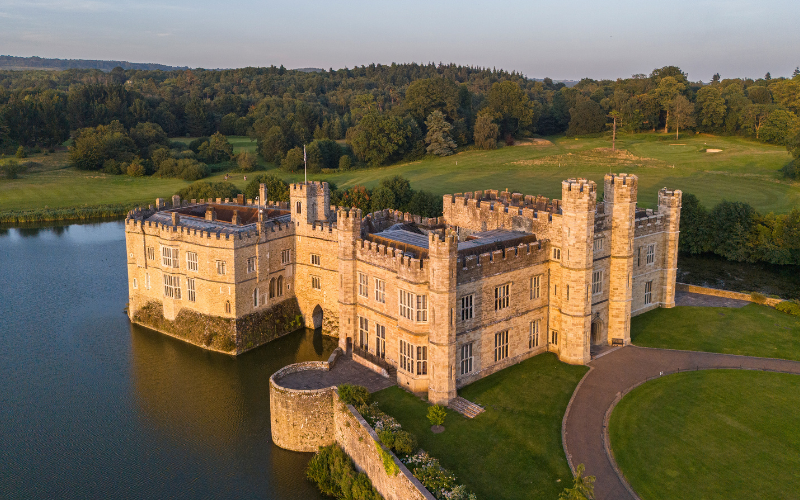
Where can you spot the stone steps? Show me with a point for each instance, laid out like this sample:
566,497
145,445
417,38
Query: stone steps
466,408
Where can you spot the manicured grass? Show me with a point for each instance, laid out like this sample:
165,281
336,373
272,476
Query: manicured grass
744,171
511,451
752,330
722,434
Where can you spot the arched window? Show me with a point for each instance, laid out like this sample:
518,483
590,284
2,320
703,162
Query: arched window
227,306
272,288
280,286
255,297
299,207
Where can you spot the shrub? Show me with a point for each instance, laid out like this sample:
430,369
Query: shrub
355,395
789,307
277,190
387,437
11,169
246,161
334,474
758,298
345,163
405,443
436,414
135,169
112,167
389,466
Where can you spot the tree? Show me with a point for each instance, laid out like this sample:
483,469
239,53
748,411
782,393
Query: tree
582,487
432,94
486,131
382,197
216,150
379,138
715,78
293,160
345,163
277,190
356,197
425,204
586,117
752,118
20,153
682,114
438,137
401,188
779,127
796,72
711,108
730,224
246,161
695,237
511,106
667,90
208,191
272,144
759,95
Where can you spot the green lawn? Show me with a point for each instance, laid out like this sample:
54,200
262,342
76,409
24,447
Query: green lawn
714,434
744,171
512,450
752,330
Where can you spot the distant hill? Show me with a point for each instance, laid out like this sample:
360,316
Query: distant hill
310,70
21,63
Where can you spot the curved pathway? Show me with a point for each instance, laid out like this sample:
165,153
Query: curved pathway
616,373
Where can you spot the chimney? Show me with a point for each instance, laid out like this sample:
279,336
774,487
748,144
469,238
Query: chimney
240,199
176,218
262,194
235,218
211,214
176,201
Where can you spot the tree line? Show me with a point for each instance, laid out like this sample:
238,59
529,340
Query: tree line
385,113
736,231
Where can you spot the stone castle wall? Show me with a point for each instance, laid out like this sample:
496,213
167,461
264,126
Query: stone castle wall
304,420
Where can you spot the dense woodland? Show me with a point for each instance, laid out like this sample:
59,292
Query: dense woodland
385,113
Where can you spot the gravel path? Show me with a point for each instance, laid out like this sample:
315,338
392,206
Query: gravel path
617,372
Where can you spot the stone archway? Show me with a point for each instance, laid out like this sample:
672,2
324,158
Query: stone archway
316,317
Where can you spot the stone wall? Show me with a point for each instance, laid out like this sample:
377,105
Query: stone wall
304,420
683,287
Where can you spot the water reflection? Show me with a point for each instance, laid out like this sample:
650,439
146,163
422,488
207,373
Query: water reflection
93,407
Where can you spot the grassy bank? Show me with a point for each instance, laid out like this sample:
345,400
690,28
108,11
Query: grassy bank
752,330
744,170
512,450
710,434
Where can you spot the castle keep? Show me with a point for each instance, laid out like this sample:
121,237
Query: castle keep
500,277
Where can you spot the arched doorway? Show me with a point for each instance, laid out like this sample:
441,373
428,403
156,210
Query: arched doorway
597,333
316,317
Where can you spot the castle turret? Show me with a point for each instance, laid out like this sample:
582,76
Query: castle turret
310,201
619,197
579,198
669,204
349,225
262,195
442,331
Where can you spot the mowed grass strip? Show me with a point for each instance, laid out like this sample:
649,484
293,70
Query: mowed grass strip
752,330
713,434
511,451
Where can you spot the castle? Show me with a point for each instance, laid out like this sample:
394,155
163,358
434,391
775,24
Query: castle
500,277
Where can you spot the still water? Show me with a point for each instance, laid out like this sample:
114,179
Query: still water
94,407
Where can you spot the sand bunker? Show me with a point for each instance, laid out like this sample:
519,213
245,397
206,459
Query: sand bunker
531,141
713,150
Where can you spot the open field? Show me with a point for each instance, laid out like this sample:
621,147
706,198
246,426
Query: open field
752,330
744,170
710,434
512,450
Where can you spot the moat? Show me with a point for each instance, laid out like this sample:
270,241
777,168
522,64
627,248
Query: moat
94,407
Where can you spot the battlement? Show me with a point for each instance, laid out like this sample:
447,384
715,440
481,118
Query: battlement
669,198
442,245
577,188
473,267
310,187
620,188
409,268
218,238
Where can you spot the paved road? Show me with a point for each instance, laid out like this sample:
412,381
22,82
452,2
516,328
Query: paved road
618,371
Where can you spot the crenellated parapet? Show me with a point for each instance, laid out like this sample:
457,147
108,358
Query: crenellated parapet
476,267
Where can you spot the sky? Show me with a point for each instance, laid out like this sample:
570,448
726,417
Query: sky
560,40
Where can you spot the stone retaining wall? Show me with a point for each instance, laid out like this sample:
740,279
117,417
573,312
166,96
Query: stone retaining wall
683,287
304,420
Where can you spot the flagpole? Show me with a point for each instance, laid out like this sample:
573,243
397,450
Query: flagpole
305,164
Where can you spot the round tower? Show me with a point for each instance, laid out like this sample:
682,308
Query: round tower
619,197
443,255
579,199
669,205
